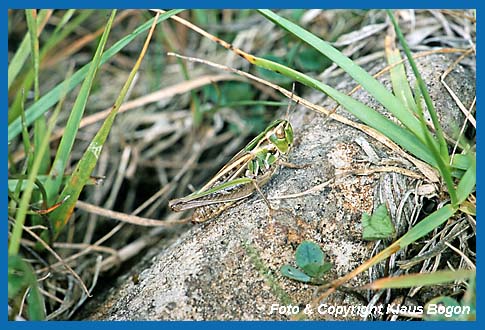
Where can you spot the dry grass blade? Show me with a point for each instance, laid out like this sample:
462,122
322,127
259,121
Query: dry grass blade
312,190
132,219
48,248
87,249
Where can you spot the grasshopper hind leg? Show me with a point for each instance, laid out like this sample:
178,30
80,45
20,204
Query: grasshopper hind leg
204,213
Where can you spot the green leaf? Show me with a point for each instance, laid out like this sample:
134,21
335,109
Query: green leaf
308,253
399,80
378,226
15,237
35,304
310,258
462,162
295,274
19,276
424,91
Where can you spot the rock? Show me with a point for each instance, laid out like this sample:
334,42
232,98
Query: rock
229,267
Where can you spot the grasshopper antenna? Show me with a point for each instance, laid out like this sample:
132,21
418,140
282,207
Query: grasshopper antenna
288,109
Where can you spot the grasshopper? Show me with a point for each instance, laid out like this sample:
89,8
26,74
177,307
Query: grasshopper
248,170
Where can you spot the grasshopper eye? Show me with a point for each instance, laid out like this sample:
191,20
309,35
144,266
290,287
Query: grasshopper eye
280,132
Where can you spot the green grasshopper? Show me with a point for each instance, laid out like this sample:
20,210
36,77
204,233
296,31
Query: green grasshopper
248,170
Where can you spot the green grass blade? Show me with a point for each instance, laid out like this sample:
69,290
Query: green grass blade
440,149
23,52
34,48
65,19
399,79
467,182
40,130
462,162
49,99
426,225
40,124
413,280
26,139
14,242
369,83
62,156
27,165
57,37
85,166
424,91
443,165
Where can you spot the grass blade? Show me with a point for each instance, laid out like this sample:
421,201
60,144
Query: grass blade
23,51
426,225
34,48
86,164
49,99
14,243
440,150
21,277
399,79
40,124
369,83
413,280
56,38
62,156
468,182
424,91
366,114
398,134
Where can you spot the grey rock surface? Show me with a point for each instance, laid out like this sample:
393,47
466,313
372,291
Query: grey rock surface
228,268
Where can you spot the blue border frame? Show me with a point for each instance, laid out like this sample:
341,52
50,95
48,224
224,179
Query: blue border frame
20,4
342,4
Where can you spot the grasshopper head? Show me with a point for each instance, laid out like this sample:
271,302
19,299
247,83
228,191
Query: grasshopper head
282,136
